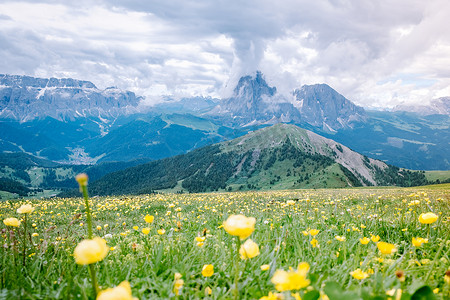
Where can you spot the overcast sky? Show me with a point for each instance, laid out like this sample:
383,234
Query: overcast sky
376,53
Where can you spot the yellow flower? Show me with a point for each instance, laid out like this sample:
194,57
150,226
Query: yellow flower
358,274
35,234
272,296
265,267
200,239
340,238
400,275
135,227
25,209
417,242
314,232
11,222
82,180
396,292
364,240
208,270
239,225
146,230
149,219
296,296
314,243
386,248
178,284
90,251
447,276
99,227
208,290
292,279
122,292
375,238
428,218
249,249
161,231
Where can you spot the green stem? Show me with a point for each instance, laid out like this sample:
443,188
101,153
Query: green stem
24,239
90,236
436,258
94,280
236,275
88,211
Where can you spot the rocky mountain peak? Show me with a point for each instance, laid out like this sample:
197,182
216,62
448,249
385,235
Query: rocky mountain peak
321,106
253,87
252,102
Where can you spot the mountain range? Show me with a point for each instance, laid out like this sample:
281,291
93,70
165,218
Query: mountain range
440,106
73,122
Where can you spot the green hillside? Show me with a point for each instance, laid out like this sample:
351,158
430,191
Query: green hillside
438,176
277,157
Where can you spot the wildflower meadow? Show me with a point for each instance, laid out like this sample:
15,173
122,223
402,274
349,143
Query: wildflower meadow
367,243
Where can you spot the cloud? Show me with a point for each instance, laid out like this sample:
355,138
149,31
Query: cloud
370,51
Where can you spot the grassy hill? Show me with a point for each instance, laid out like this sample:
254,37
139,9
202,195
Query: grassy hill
277,157
438,176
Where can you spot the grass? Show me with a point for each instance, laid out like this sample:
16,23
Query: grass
435,175
149,262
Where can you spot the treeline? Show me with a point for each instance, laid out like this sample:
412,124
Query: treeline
393,175
165,174
12,186
22,161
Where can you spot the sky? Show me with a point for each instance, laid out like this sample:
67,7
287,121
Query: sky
378,54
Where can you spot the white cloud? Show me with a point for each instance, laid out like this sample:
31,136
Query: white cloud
376,53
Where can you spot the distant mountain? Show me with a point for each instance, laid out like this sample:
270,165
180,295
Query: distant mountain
255,102
185,105
440,106
403,139
323,107
25,98
278,157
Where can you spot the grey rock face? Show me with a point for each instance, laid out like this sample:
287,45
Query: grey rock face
25,98
322,106
254,102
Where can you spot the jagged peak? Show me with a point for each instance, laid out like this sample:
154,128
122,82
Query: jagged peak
255,84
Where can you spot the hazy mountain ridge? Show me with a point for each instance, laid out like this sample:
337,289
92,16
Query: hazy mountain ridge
25,98
439,106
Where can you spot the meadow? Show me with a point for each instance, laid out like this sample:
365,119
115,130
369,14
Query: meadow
305,244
